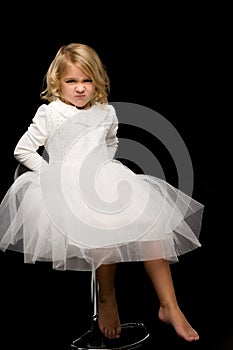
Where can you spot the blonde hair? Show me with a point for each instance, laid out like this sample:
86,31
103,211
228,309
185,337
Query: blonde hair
87,60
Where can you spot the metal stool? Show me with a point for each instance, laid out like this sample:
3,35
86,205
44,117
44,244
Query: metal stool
133,334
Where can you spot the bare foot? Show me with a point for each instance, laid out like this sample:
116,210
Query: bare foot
174,316
108,318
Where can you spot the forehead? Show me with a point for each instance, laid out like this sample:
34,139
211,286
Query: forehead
74,71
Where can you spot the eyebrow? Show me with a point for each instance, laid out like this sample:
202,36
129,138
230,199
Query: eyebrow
75,78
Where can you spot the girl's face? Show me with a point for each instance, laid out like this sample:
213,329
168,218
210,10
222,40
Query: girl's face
76,87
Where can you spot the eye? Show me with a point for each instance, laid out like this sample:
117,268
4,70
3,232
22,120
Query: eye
87,81
70,81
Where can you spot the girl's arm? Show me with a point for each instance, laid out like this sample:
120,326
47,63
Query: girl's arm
36,135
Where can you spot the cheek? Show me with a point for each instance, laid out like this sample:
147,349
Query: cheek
65,89
92,90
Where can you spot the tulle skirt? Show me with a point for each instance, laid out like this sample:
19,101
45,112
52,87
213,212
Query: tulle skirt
79,221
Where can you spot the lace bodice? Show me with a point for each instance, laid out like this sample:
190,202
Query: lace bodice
68,134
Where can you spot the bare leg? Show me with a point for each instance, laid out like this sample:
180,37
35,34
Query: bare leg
108,317
169,311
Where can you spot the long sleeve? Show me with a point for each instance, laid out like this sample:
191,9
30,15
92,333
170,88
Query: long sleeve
112,139
36,135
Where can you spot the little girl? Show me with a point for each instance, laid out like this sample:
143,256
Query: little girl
82,209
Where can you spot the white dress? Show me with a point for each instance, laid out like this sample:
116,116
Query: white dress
83,208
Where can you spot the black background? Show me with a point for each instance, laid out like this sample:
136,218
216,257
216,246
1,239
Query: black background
172,61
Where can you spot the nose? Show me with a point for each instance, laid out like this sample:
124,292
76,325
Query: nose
80,87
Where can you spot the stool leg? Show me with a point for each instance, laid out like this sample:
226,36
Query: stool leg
96,338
